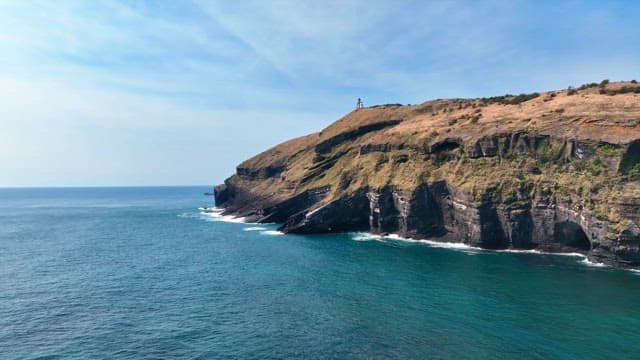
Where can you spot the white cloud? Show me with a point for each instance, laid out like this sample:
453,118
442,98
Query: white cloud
133,90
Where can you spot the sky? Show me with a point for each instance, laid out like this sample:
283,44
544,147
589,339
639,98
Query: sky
117,93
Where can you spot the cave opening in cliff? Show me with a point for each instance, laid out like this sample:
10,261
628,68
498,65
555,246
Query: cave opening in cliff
570,234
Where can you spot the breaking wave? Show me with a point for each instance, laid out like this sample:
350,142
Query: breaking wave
254,228
472,250
593,264
215,214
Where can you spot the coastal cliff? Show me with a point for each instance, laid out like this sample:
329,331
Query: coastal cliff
557,171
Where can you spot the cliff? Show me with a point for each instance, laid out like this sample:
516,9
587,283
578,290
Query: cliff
556,171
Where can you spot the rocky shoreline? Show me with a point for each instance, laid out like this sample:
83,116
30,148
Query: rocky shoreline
556,172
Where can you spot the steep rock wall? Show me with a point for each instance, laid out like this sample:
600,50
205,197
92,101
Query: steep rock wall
557,172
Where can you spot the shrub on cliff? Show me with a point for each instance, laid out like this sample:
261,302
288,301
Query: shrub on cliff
548,153
523,97
509,99
595,166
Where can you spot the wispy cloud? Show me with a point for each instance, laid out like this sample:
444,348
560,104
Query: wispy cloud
131,89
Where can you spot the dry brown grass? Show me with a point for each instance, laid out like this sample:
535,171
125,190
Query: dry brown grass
586,115
282,151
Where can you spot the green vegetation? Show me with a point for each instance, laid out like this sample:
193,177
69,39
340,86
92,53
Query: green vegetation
549,152
509,99
622,90
632,174
587,86
607,149
595,166
514,176
385,105
523,97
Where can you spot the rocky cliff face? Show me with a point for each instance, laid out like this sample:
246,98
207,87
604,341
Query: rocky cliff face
557,171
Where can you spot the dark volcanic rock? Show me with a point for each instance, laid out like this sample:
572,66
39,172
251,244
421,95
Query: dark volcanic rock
559,174
326,145
348,213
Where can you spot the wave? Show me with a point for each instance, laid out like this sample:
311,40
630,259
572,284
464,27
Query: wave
215,214
448,245
515,251
213,210
226,218
537,252
437,244
593,264
432,243
472,250
254,228
365,237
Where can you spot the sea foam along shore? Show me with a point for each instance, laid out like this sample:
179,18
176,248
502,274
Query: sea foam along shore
363,236
215,214
254,228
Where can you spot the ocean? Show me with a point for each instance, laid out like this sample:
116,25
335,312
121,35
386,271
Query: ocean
142,273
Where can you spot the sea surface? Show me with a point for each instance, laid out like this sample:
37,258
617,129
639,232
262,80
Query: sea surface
141,273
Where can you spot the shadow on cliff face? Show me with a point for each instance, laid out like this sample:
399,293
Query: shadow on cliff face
492,235
631,158
570,234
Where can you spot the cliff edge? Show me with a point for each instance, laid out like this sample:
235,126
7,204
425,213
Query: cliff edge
556,171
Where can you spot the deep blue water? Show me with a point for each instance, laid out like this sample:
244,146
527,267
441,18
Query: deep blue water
133,273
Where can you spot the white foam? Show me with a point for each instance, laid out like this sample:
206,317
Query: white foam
366,237
254,228
215,215
471,250
515,251
231,219
593,264
212,210
568,254
396,237
362,236
448,245
437,244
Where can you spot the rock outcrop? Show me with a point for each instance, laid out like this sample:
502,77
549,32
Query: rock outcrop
557,171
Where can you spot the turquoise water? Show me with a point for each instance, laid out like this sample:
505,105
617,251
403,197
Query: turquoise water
135,273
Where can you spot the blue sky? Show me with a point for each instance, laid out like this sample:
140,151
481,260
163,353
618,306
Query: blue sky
179,92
